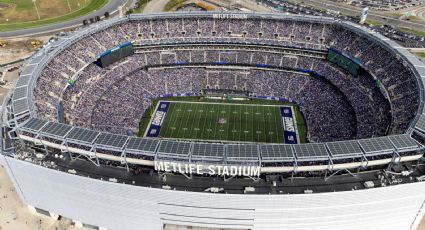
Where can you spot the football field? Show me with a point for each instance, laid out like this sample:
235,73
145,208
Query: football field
222,121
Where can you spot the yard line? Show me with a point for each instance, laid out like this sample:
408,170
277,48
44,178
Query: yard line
244,121
165,126
232,122
263,127
195,133
258,123
177,122
210,123
208,119
251,125
226,116
273,124
188,124
278,126
238,133
270,137
223,134
174,119
203,120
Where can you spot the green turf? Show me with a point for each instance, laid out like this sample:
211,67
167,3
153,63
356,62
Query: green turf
253,123
420,54
301,124
412,31
48,16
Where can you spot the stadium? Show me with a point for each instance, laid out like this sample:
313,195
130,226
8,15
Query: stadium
220,120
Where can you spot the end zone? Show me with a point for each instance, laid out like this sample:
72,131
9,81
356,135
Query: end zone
157,119
289,125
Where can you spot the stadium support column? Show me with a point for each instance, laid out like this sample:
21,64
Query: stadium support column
120,12
364,15
395,159
124,159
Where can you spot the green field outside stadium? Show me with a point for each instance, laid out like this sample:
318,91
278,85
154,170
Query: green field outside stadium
23,14
242,121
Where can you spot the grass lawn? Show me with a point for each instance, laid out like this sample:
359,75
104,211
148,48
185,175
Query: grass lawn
374,23
21,14
421,54
255,120
173,3
412,31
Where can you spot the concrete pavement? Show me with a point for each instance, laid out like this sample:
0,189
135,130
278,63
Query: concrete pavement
155,6
324,4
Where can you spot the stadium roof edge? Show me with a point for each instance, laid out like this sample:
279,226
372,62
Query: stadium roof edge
168,149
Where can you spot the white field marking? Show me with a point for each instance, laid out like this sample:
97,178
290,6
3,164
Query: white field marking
189,110
234,131
294,119
234,112
184,128
246,131
258,132
257,113
201,111
197,129
150,121
246,113
271,132
173,128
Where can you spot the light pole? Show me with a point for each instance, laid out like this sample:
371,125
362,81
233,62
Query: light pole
36,9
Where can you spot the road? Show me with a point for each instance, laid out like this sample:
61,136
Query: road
111,6
155,6
324,4
158,5
248,4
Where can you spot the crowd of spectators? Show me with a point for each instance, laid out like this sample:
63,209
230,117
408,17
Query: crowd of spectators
337,107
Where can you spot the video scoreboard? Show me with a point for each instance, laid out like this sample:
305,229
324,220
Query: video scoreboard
115,54
344,61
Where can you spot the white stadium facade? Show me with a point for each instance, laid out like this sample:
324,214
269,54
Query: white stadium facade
63,162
